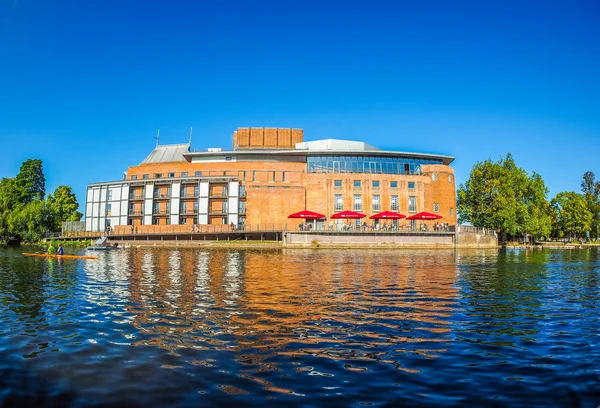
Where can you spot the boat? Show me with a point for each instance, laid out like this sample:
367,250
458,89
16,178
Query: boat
102,245
101,248
61,256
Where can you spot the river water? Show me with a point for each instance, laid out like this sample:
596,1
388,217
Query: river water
196,327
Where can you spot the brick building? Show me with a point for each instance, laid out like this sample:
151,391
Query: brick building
267,175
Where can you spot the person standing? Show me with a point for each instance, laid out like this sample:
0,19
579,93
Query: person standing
60,251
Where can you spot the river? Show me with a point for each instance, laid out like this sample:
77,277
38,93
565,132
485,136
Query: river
302,327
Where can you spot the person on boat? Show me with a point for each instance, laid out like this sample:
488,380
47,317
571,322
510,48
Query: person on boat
51,249
60,251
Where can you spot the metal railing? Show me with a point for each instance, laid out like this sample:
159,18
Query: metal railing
136,196
162,195
186,195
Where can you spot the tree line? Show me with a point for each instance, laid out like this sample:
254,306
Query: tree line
26,213
504,197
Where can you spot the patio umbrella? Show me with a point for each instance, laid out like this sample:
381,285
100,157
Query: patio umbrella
388,215
424,216
307,214
348,214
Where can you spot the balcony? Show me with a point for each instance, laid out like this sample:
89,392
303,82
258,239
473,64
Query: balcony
218,196
242,211
186,211
136,196
160,212
217,212
186,195
162,196
136,212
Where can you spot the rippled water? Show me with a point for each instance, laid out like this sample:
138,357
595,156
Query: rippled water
196,327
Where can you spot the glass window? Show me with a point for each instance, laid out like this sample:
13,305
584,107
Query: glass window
253,176
108,194
436,207
449,178
357,202
146,176
155,221
108,209
283,176
184,174
198,174
412,204
375,183
434,176
157,175
393,184
411,185
394,205
337,183
376,203
171,174
338,203
134,177
356,183
451,212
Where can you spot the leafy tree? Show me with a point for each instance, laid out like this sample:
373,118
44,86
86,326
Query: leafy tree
591,190
504,197
573,216
63,207
29,221
10,199
31,180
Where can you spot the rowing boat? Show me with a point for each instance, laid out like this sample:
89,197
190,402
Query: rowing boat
62,256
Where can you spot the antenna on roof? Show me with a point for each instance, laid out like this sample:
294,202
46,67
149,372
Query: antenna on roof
157,137
190,142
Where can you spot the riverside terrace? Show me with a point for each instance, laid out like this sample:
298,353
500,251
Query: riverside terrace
291,235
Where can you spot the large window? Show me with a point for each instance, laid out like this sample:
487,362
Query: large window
357,202
338,203
412,204
337,183
367,164
394,203
411,185
198,174
393,184
375,184
356,183
376,202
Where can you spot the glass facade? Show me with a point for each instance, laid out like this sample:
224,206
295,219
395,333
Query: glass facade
366,164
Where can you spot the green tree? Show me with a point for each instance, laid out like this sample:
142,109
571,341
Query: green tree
63,207
10,199
28,222
504,197
572,214
591,190
31,180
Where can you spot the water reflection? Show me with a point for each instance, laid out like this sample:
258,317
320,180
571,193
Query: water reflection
339,327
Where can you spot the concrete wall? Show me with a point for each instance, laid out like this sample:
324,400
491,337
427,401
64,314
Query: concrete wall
434,240
476,240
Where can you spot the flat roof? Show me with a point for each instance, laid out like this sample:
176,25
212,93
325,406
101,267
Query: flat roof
298,152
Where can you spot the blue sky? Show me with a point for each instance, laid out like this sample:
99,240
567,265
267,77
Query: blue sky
85,85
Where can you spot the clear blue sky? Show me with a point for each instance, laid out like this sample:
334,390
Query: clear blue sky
85,85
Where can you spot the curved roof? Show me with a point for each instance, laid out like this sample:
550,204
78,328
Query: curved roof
167,154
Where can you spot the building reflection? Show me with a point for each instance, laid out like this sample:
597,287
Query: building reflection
335,304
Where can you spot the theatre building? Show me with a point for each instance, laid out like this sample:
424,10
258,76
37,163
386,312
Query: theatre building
268,174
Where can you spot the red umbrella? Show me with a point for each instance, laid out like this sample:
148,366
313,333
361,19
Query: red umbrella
307,214
424,216
348,214
389,215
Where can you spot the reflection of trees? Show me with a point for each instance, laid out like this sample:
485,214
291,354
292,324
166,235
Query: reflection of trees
499,287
